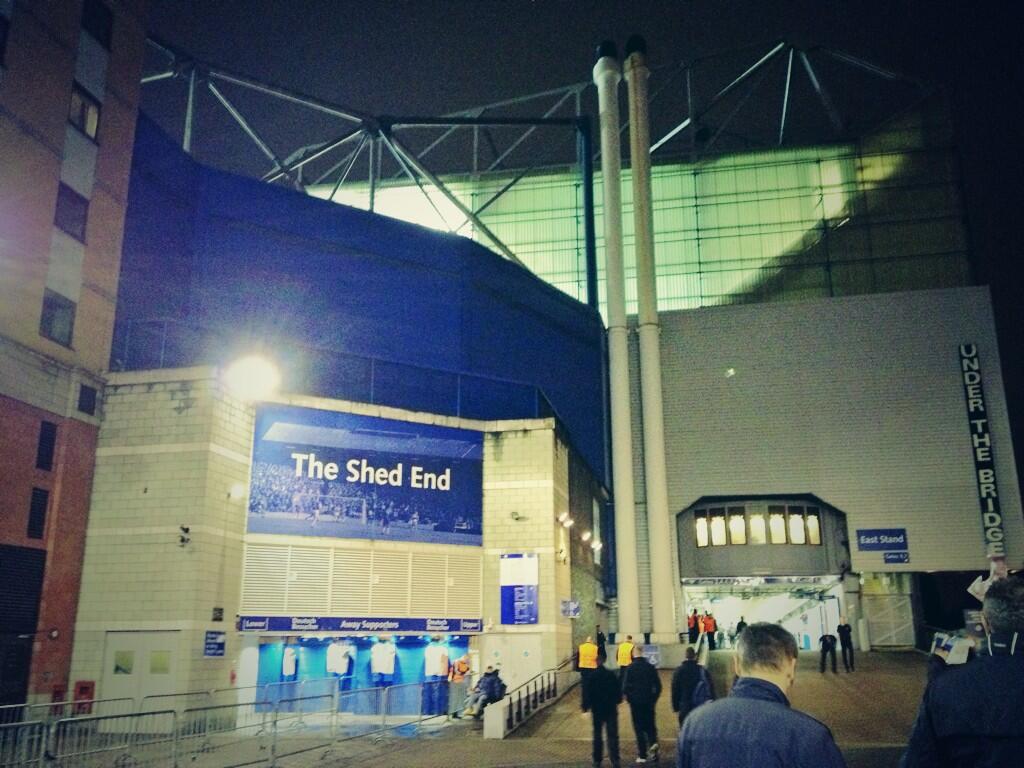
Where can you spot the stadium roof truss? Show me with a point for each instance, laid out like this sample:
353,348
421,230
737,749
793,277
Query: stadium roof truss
388,149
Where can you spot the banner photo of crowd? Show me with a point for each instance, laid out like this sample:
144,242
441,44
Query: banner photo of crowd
343,475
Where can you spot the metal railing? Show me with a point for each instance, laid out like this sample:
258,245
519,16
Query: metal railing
57,710
523,702
252,732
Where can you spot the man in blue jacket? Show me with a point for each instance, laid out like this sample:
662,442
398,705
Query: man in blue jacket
754,727
972,715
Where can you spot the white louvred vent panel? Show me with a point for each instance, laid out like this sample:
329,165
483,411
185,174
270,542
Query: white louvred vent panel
264,579
464,587
428,584
389,584
309,574
350,583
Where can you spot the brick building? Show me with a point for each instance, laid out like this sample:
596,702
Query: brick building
69,82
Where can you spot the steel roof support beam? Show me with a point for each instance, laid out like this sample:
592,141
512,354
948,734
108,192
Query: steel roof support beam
289,96
826,102
527,133
721,94
785,95
186,141
414,178
323,150
351,160
426,173
162,76
250,131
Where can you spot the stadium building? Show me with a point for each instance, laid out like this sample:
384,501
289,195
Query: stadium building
435,469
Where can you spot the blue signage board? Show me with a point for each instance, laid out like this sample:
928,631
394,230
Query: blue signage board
356,624
896,557
214,644
882,540
344,475
571,609
519,577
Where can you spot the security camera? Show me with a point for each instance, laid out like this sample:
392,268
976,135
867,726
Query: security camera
183,537
518,516
184,529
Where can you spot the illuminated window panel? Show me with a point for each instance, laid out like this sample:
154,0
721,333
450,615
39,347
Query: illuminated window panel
737,526
777,525
797,534
813,526
718,528
702,529
758,533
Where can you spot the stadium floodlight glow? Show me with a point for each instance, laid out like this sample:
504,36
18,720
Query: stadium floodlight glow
568,522
596,545
563,517
586,535
252,378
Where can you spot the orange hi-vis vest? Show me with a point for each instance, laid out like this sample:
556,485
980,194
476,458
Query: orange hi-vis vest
624,653
458,671
588,656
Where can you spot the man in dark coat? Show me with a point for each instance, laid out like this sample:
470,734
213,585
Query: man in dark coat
601,697
685,681
828,649
970,715
846,642
754,727
642,687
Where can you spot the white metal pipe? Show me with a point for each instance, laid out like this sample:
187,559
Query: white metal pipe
606,78
659,530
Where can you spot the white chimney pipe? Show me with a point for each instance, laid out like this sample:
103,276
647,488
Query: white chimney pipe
659,530
606,78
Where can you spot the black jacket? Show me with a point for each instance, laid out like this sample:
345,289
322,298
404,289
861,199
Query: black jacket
641,685
970,715
684,681
601,692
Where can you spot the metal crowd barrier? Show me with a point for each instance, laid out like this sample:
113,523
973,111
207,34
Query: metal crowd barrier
22,744
255,732
58,710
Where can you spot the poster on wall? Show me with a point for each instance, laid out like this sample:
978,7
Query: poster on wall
519,578
344,475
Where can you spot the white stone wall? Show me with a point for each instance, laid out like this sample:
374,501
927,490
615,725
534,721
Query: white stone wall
173,450
856,399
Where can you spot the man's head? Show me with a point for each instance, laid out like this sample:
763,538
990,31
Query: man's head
691,654
589,639
636,652
1003,607
842,620
629,638
489,668
768,652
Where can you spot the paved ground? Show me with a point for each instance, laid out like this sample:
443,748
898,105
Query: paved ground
870,713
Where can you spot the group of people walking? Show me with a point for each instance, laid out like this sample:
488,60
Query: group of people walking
970,715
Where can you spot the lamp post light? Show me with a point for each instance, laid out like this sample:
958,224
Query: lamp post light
252,378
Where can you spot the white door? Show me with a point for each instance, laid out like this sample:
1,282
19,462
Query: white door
137,665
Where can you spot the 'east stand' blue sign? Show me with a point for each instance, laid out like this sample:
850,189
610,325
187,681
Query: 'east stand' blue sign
882,540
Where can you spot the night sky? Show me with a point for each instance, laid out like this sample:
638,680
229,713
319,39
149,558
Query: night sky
430,58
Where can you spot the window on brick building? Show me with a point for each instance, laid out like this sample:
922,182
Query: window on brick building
5,26
84,112
71,213
37,513
98,21
57,321
47,445
87,399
